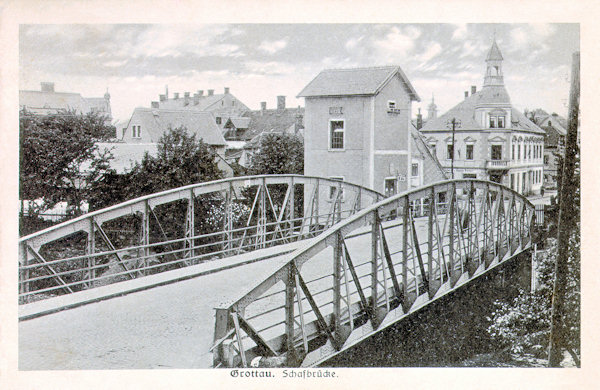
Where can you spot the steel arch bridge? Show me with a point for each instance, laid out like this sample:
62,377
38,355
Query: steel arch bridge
372,269
182,227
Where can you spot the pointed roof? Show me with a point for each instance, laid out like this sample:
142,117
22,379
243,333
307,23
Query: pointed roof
355,81
494,53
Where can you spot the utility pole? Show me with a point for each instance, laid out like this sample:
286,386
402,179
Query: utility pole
455,124
566,216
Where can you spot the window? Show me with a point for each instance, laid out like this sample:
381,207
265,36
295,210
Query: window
501,122
519,152
391,104
546,160
390,186
469,176
513,152
333,189
218,119
496,152
469,152
496,121
415,169
512,181
450,151
136,131
336,134
529,154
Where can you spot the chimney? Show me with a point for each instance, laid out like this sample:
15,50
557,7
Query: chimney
176,95
211,92
473,89
200,92
466,94
186,98
47,87
196,99
154,104
263,107
281,102
162,98
419,120
226,90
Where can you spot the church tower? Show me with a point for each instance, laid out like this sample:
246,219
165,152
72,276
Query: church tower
432,109
493,73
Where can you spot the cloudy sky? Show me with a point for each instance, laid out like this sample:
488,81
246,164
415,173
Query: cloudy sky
260,61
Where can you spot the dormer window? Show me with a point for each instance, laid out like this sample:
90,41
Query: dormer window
497,121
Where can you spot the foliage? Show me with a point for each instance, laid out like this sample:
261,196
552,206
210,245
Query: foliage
524,323
278,154
59,160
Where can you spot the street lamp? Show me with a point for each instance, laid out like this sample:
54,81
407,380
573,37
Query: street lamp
455,123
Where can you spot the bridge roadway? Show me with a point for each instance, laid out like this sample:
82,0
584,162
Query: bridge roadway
168,326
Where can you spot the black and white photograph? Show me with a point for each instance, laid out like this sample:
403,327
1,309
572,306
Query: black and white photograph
280,203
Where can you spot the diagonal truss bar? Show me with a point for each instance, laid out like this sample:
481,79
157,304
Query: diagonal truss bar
390,264
253,334
113,249
55,275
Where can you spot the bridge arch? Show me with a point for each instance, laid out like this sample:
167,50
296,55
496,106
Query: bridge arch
141,236
371,270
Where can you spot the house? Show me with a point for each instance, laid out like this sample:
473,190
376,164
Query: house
243,135
147,126
48,101
358,129
223,106
555,127
492,140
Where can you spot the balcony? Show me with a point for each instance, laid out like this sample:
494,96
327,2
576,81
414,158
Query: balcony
496,165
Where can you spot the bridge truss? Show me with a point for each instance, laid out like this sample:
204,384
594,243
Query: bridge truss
182,227
371,270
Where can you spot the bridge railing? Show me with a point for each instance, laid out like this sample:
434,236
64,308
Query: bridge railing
182,227
371,269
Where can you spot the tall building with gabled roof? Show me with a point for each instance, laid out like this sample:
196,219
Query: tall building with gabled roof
357,128
494,141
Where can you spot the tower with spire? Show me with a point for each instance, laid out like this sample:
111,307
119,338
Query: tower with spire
432,109
493,72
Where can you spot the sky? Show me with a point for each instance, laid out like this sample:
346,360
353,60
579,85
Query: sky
258,62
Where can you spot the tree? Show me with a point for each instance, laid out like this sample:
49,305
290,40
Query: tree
278,154
59,159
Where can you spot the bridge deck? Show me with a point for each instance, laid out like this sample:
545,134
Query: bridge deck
167,326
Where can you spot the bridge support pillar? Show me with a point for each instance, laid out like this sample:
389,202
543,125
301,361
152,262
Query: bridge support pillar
293,358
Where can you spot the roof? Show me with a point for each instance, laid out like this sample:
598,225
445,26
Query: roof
42,102
418,144
157,121
355,81
494,53
238,122
204,102
553,135
126,155
272,121
465,112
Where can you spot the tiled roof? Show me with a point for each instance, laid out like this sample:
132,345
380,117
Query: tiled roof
434,171
494,53
465,112
239,122
53,100
553,135
157,121
271,121
126,155
356,81
204,102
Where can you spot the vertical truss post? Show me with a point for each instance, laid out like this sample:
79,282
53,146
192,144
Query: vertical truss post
315,212
189,229
338,202
24,286
451,215
91,249
292,211
290,297
430,222
228,220
374,262
238,336
262,210
222,328
301,313
145,236
407,301
337,280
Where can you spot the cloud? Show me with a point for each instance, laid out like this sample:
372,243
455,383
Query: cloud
270,67
431,52
397,43
272,47
460,32
530,37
